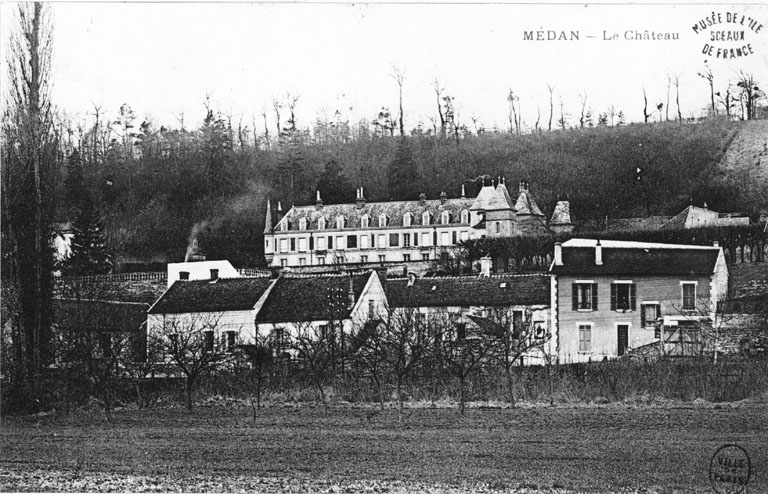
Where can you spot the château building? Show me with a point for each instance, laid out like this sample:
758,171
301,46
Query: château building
399,231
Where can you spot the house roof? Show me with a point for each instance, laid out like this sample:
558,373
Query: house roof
463,291
483,198
98,315
224,294
395,210
636,258
562,214
526,205
500,199
301,298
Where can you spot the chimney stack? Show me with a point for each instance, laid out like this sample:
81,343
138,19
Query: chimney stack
558,254
463,192
716,244
522,185
360,200
443,197
422,199
598,253
485,266
319,202
351,293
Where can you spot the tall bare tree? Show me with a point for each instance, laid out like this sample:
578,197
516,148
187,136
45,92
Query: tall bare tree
677,98
710,78
551,106
398,75
28,171
439,96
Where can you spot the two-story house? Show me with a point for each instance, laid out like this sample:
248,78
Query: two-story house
610,296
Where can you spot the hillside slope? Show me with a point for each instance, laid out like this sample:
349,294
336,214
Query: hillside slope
746,161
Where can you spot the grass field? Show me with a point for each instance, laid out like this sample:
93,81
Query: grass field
618,448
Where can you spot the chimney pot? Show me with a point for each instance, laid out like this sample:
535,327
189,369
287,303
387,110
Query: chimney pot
319,203
558,254
522,185
463,192
716,244
422,198
360,201
598,254
443,197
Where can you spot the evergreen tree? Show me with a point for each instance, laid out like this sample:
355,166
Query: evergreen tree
74,184
89,254
333,185
402,174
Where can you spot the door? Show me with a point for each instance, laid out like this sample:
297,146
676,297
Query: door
623,337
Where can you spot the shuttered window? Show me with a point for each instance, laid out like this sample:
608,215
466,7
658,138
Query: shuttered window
585,337
584,296
623,297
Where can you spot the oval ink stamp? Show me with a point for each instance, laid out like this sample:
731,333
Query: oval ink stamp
729,469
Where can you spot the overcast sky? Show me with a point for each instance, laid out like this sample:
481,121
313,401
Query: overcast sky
164,58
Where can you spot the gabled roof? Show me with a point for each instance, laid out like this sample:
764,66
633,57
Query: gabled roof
303,298
465,291
394,211
221,295
500,199
636,258
98,315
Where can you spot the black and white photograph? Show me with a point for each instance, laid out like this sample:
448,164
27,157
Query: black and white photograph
391,247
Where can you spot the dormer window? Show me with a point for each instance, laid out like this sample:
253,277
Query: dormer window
465,216
365,221
407,219
382,220
286,225
341,222
321,223
303,224
445,217
426,218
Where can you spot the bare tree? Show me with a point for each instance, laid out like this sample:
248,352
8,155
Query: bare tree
551,106
312,345
669,84
646,115
562,115
514,118
583,98
439,96
277,106
260,356
538,119
710,78
399,76
677,98
189,342
750,93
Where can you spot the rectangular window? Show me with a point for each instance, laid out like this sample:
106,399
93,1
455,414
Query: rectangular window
517,323
339,242
278,339
461,331
689,296
649,315
453,236
351,241
302,261
330,242
371,311
382,241
585,296
364,241
585,337
320,243
426,241
406,239
406,257
425,257
302,245
382,258
283,262
283,245
445,238
363,258
293,244
623,297
415,239
394,239
321,260
208,341
228,339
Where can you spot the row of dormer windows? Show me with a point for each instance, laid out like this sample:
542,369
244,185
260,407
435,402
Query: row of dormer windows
383,220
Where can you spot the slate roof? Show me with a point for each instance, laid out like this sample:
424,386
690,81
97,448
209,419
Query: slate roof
394,211
526,205
483,198
637,258
99,315
300,298
562,214
464,291
225,294
500,199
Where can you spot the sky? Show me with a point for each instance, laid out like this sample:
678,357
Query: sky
163,59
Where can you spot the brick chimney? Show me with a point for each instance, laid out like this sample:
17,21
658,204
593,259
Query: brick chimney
443,197
598,254
360,200
558,254
422,199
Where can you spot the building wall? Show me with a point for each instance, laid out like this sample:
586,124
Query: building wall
221,322
200,270
667,291
372,244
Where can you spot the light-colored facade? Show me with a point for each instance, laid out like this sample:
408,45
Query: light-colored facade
611,296
397,231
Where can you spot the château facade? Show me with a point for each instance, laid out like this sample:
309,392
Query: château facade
399,231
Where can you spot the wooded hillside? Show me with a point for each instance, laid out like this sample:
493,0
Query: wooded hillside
158,187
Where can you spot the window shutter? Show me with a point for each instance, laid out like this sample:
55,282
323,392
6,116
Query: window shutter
632,303
642,311
594,296
575,296
613,296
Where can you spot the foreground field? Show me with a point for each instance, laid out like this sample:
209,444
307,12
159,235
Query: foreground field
538,449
